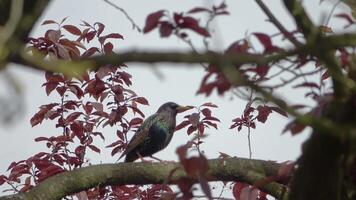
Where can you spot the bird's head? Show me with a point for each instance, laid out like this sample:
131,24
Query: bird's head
172,107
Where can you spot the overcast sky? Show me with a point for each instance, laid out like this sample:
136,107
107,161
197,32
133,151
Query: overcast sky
179,82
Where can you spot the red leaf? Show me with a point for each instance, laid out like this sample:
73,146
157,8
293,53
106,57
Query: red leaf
72,117
116,150
211,119
50,87
101,27
90,52
237,189
94,148
13,164
182,125
264,39
294,127
191,23
53,35
165,29
38,139
2,179
49,22
199,9
266,42
211,124
263,113
111,35
135,121
141,100
325,75
201,128
210,105
72,29
206,112
108,47
191,129
152,20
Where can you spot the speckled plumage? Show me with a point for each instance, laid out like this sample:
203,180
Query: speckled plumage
154,134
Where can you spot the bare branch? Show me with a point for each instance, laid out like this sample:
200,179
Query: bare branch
134,25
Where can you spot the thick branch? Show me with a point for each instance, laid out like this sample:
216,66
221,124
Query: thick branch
232,169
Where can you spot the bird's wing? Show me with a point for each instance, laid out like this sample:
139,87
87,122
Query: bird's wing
140,135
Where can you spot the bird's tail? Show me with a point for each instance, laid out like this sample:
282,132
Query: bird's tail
130,157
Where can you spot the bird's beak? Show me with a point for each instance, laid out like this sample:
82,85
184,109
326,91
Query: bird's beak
181,109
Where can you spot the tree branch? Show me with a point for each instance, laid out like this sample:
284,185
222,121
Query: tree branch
231,169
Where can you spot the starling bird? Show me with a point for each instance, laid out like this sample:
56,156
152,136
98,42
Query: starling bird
155,132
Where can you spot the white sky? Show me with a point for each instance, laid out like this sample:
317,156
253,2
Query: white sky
180,82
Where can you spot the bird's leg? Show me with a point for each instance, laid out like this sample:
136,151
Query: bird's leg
164,161
153,157
141,157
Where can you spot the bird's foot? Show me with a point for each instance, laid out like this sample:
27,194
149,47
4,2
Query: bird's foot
142,159
162,161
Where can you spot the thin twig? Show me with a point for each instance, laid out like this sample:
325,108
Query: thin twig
134,25
275,21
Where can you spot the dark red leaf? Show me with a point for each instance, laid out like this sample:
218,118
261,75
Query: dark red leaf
50,87
38,139
211,124
191,23
94,148
182,125
264,39
90,52
263,113
206,112
294,127
49,22
72,117
111,35
191,129
116,150
211,119
101,27
201,128
210,105
53,35
72,29
141,100
108,47
135,121
152,20
199,9
2,179
165,29
237,189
